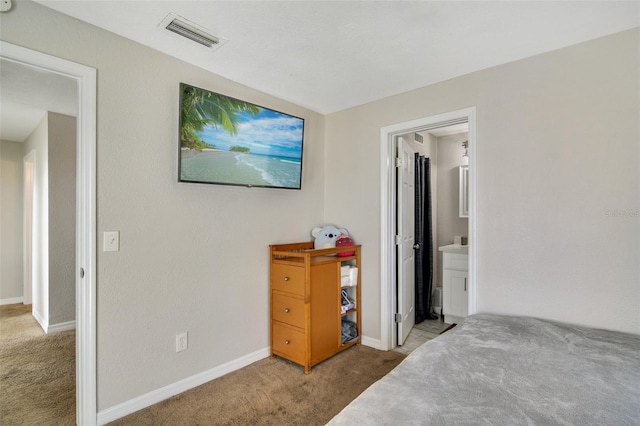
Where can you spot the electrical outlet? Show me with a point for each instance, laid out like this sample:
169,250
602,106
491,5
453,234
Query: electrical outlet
182,342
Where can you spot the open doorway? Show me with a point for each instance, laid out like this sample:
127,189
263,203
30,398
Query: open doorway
85,253
39,111
389,295
430,218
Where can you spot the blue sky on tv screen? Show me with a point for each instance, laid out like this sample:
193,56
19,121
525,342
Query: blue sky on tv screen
267,133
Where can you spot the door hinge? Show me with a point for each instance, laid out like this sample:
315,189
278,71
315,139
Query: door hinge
398,162
398,240
398,318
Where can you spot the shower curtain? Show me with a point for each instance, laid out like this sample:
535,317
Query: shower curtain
424,240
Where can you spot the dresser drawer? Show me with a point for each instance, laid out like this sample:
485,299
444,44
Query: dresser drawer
287,278
458,262
288,342
287,309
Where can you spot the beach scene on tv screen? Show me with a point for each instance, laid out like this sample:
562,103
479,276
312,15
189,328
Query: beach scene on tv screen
229,141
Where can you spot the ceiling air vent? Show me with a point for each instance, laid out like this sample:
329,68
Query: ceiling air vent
191,31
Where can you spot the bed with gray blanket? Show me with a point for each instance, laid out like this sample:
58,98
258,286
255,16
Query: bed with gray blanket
501,370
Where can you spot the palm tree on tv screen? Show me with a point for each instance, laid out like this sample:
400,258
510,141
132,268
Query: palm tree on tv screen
201,108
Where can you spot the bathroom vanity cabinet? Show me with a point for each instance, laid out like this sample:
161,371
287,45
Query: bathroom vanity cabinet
455,282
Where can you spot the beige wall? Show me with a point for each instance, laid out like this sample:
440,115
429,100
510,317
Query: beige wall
11,156
192,257
62,214
557,149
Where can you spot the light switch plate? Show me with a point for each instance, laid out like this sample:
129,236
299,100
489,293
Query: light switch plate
111,241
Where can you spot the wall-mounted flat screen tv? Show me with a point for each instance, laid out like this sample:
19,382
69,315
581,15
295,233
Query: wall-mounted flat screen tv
228,141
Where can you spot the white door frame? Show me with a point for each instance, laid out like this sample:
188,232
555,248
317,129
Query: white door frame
388,301
85,276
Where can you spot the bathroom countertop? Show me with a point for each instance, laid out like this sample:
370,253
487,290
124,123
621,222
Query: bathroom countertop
455,248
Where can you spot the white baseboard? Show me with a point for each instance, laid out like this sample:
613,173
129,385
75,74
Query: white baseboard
372,343
12,301
53,328
153,397
43,324
63,326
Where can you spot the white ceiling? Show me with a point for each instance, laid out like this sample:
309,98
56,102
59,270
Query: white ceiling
332,55
27,93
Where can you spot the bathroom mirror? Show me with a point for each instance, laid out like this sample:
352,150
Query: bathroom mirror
463,204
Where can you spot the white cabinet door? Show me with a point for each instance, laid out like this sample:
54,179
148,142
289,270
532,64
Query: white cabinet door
454,291
458,285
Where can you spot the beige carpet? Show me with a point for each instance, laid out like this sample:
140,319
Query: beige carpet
37,371
37,384
274,392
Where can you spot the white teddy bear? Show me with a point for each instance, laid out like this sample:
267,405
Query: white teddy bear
327,236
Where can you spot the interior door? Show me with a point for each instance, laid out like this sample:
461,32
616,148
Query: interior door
405,230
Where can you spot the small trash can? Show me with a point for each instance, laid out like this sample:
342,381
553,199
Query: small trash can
436,304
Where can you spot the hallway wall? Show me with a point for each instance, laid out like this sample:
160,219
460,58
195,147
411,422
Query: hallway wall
62,218
38,142
54,143
11,274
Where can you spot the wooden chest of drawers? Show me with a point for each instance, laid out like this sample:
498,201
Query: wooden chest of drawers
306,315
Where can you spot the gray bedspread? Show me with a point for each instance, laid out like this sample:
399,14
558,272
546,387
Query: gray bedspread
501,370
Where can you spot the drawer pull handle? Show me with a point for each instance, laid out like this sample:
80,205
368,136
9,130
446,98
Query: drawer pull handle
286,310
286,278
286,342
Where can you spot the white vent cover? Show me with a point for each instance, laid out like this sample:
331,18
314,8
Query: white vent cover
191,31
